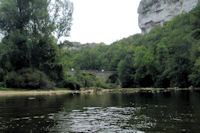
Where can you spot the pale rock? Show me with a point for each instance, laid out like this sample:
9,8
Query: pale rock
155,12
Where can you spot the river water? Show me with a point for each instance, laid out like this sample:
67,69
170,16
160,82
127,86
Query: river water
142,112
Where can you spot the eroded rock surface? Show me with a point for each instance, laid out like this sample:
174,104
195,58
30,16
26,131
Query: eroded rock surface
155,12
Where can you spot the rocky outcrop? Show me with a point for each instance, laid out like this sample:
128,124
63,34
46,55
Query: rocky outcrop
155,12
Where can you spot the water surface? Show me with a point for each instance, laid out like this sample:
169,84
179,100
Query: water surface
142,112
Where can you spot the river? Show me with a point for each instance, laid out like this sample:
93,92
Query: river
142,112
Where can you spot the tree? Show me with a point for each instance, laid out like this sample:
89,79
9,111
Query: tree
126,72
61,17
30,29
145,68
88,59
36,16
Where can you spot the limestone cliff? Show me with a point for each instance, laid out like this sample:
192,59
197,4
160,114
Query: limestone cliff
155,12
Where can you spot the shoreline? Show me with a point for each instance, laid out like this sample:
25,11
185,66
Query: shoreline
40,92
60,92
33,92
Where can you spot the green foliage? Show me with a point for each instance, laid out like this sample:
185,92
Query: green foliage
29,28
87,80
194,77
145,68
2,73
70,83
28,79
66,45
45,57
89,59
126,71
17,50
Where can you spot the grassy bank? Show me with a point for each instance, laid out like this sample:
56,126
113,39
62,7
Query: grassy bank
12,89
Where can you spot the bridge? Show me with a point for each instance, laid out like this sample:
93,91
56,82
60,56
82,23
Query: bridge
105,75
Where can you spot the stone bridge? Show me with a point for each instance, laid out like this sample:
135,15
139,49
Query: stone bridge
105,75
101,74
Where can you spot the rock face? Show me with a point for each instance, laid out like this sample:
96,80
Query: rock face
155,12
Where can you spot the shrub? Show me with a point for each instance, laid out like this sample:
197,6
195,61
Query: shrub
70,83
1,74
87,80
102,84
28,79
13,80
2,84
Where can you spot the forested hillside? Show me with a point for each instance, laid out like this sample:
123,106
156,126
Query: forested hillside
168,56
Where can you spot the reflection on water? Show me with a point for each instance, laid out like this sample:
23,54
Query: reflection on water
143,112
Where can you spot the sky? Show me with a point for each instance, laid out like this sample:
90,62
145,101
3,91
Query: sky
103,20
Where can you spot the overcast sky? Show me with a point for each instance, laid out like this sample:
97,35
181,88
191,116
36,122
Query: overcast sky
104,20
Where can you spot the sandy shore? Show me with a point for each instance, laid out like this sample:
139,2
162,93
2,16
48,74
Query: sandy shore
33,93
47,92
60,92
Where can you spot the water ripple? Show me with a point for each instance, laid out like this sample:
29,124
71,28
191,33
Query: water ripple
97,119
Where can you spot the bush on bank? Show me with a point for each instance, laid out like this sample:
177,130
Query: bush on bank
28,79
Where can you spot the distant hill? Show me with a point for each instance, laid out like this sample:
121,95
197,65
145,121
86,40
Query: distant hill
77,45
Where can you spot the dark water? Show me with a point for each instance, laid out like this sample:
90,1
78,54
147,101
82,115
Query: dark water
165,112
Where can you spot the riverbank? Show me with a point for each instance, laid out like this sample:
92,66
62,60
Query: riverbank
21,92
32,93
135,90
12,92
